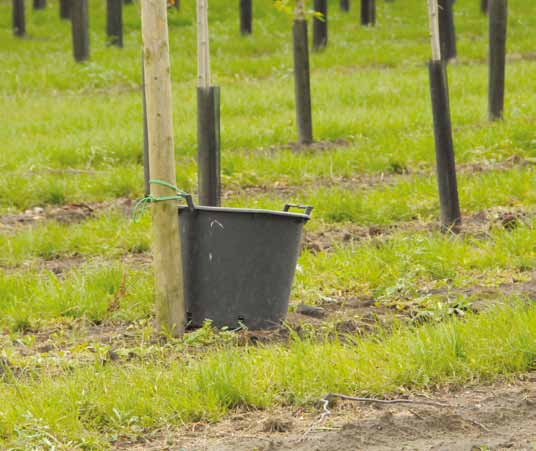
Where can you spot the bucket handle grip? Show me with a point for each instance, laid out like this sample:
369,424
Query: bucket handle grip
189,201
308,209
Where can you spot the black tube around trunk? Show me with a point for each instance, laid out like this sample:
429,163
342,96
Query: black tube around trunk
484,6
114,22
344,5
208,146
18,18
320,25
80,29
446,167
368,12
302,84
498,18
65,9
447,31
246,17
146,170
39,4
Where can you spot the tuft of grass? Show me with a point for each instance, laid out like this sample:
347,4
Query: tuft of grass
30,297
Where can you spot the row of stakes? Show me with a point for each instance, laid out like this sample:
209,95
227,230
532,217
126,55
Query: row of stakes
208,108
77,11
208,101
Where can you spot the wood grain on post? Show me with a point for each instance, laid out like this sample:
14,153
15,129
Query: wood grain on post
498,17
114,22
166,246
18,18
80,29
320,25
203,45
433,16
146,169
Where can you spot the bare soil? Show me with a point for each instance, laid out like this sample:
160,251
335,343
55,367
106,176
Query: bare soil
66,214
362,180
78,212
478,225
497,417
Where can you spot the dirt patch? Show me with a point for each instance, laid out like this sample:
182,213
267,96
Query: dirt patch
66,214
316,146
478,225
497,417
282,188
511,58
78,212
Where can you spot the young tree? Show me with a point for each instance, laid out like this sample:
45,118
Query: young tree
302,85
208,117
444,147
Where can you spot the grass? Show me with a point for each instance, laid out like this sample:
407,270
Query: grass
402,269
86,407
72,133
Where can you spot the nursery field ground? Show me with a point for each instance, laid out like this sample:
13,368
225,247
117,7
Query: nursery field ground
383,304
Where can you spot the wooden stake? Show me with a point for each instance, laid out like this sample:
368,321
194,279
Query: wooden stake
169,285
498,18
368,12
80,29
433,14
39,4
447,31
208,146
208,117
203,45
246,17
444,147
302,84
65,9
146,169
114,22
19,18
320,25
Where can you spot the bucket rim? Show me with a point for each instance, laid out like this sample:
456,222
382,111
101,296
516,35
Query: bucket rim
286,214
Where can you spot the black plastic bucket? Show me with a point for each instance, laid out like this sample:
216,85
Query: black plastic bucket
239,264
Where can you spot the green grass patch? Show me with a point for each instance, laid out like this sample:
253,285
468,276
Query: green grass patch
85,408
29,298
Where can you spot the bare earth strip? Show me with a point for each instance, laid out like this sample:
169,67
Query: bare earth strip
499,417
77,212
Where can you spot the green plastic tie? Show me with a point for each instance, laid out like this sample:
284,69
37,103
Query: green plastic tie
141,205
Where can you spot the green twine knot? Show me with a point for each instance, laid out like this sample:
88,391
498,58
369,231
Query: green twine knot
141,205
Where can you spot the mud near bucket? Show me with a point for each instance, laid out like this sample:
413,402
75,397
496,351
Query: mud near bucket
238,264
